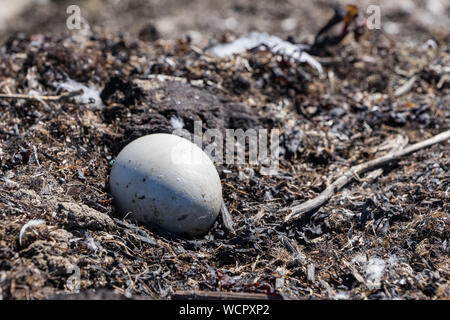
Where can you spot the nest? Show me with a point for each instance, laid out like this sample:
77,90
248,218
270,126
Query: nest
384,236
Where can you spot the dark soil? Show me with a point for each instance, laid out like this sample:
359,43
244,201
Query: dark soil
384,236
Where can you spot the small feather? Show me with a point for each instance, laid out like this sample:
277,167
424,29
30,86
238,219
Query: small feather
27,225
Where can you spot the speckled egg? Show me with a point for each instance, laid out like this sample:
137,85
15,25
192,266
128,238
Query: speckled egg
167,181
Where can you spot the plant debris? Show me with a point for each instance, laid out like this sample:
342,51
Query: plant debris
384,236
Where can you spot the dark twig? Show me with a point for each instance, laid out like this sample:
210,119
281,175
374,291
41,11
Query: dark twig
310,205
226,218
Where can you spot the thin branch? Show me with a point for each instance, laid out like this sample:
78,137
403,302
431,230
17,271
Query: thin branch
406,87
217,295
226,218
43,98
297,211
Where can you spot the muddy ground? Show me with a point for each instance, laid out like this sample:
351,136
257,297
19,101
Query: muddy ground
384,236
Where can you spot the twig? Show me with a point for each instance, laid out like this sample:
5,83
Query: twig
226,218
36,155
43,98
407,86
297,211
217,295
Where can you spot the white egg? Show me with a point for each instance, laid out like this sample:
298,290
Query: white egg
168,182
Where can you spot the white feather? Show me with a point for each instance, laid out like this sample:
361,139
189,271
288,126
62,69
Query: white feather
27,225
